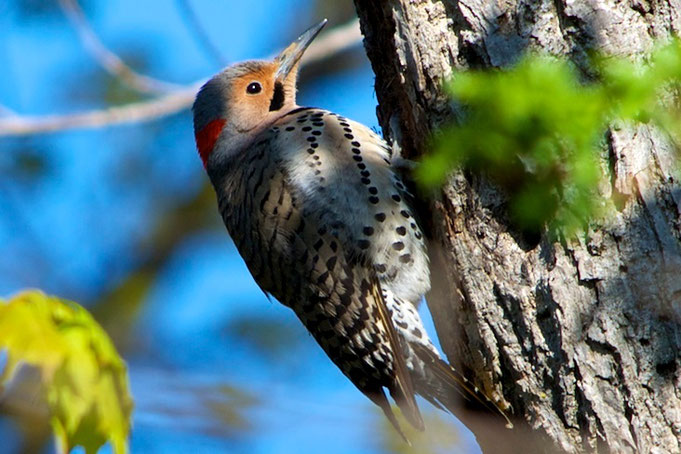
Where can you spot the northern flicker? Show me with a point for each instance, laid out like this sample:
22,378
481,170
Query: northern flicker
324,224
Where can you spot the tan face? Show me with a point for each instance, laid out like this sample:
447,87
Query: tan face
256,98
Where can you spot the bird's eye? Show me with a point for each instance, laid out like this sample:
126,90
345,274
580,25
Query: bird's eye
254,88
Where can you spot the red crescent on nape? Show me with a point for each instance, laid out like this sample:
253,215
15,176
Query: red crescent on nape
206,138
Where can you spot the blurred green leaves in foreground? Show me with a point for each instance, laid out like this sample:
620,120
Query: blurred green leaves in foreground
83,377
537,131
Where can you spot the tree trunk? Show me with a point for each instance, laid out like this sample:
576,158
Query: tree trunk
581,338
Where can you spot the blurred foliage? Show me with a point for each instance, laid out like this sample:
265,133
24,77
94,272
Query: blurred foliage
23,161
229,410
537,130
118,307
273,339
439,437
84,379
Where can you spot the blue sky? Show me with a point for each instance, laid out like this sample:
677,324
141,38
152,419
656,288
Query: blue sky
75,229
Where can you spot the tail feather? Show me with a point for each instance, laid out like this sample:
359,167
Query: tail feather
402,389
453,384
382,401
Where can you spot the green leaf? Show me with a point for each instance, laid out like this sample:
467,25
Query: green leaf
84,378
536,130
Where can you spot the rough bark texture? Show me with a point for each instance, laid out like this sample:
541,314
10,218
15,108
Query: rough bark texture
581,338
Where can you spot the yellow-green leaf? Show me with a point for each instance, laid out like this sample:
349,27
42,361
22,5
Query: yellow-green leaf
84,378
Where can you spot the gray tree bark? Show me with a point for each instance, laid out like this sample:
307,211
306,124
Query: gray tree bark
582,338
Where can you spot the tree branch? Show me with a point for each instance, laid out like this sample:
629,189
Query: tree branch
108,60
332,43
20,125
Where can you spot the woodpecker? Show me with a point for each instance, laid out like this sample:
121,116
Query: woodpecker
324,223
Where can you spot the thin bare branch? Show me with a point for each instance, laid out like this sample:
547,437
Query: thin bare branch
130,113
327,45
108,60
194,25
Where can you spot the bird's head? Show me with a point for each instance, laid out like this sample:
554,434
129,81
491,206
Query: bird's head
234,105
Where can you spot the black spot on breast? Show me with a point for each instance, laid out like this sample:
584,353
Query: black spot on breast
357,158
401,230
405,258
380,217
364,244
398,245
307,128
349,136
355,144
396,198
322,277
368,231
373,199
405,213
290,128
373,190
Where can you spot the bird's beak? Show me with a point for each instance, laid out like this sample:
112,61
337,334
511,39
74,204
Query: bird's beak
289,57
